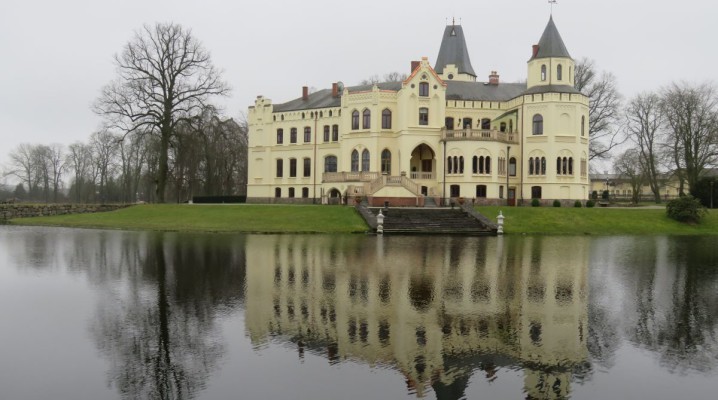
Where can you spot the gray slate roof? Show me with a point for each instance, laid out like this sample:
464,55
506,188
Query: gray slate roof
551,44
453,51
552,89
483,91
324,99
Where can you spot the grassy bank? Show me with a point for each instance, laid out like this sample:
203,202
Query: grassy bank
597,221
214,218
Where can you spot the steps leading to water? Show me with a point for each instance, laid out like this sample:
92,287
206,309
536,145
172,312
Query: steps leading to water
432,221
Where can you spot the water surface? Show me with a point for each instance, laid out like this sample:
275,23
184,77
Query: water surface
89,314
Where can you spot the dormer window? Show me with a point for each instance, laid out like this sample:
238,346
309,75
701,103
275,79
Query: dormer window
424,89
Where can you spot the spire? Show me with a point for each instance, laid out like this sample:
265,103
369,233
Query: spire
453,51
551,44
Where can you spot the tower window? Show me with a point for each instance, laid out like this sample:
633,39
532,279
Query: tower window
559,72
543,72
386,119
355,161
355,119
424,89
538,124
366,120
423,116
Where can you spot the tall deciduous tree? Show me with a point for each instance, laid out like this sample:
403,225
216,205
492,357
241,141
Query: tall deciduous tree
644,120
628,165
165,76
691,113
603,108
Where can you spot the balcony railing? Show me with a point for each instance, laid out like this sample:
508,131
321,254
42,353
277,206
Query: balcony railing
422,175
480,134
349,176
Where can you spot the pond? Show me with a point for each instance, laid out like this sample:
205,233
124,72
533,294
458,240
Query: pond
91,314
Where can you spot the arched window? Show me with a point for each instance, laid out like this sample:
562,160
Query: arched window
366,119
280,136
461,164
293,135
355,119
386,162
423,89
558,166
543,72
365,160
386,119
512,166
531,166
307,134
355,161
423,116
291,192
475,165
481,164
538,124
449,165
305,192
326,133
487,160
570,165
277,192
583,125
559,72
330,164
335,133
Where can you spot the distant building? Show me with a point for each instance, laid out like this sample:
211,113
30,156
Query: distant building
438,134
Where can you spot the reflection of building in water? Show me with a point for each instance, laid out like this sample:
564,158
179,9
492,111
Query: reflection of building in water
436,308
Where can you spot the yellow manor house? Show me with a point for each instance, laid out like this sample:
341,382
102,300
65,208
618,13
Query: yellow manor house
438,134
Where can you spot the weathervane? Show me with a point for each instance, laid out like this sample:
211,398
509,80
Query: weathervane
552,2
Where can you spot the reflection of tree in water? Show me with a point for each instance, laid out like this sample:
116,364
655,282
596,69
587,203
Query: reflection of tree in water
160,334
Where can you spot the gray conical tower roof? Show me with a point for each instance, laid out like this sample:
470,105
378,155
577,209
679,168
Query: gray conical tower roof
453,51
551,44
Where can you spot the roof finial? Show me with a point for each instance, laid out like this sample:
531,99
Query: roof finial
552,2
453,21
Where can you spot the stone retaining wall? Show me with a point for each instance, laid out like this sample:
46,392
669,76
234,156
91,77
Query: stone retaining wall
10,211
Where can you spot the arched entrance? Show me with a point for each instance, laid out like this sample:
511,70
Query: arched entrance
334,197
423,162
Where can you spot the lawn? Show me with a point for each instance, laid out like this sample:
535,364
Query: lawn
215,218
596,221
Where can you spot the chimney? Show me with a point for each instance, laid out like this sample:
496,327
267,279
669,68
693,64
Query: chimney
414,65
494,78
305,93
335,89
535,51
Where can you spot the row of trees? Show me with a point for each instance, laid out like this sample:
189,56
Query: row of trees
673,132
207,156
161,137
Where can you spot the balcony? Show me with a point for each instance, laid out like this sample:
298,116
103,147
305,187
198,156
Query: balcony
349,176
480,135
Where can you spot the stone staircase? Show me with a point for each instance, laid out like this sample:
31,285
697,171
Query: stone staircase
441,221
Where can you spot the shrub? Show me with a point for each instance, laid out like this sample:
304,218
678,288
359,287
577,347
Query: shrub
590,204
535,202
594,195
685,209
556,203
577,204
604,195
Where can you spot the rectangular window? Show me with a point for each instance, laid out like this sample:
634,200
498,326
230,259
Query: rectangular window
535,192
291,192
326,133
307,167
280,168
423,116
280,136
307,134
481,191
293,135
423,89
335,133
455,190
305,192
292,167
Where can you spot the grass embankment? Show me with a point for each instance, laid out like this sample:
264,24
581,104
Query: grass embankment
214,218
597,221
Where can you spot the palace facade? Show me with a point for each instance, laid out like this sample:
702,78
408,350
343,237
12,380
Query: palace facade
438,134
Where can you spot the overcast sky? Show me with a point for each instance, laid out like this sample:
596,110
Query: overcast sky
55,56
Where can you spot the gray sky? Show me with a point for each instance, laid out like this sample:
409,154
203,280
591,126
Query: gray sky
57,55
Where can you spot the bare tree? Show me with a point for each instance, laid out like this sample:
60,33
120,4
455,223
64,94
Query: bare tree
644,120
105,147
629,168
691,113
55,156
603,108
22,164
79,160
390,77
165,76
